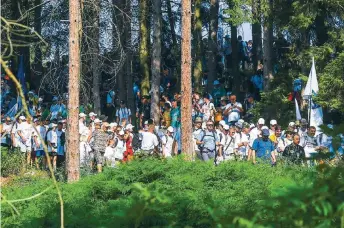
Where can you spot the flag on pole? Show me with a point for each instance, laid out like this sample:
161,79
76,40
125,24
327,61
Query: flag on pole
297,110
316,116
312,86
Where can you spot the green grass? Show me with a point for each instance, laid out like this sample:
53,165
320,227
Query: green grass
176,193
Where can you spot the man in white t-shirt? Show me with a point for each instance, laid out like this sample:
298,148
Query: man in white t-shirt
37,142
227,148
52,143
149,141
241,141
233,110
25,131
167,143
208,108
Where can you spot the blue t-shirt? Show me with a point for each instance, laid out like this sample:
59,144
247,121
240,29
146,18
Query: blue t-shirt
109,97
257,81
175,115
263,148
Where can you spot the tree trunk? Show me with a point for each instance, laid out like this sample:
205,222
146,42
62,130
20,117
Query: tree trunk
213,48
171,20
197,71
94,32
156,62
268,40
37,64
256,34
235,61
144,36
72,154
186,88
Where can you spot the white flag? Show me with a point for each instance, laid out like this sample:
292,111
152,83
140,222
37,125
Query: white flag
297,110
312,86
316,116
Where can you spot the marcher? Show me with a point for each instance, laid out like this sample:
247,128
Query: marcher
167,143
25,131
52,144
264,148
227,144
207,141
295,153
123,114
38,136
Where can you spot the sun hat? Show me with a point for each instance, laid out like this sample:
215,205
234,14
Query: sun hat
261,121
170,129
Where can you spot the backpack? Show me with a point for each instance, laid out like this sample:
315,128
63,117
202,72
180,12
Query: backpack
136,143
204,134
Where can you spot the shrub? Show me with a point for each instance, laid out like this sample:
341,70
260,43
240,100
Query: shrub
11,162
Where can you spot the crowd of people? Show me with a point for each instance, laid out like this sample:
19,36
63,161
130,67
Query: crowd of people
223,131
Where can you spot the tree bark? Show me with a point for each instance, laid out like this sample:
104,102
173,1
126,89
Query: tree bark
156,62
197,71
213,48
94,32
72,154
144,61
256,34
172,24
268,40
235,60
186,89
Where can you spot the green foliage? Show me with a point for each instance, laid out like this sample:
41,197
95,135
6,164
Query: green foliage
177,193
11,162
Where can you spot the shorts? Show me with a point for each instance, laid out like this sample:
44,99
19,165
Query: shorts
52,153
39,153
99,157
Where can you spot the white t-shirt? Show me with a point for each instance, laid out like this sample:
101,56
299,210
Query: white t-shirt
149,141
167,142
228,144
234,114
206,110
241,138
26,130
7,134
42,132
52,138
254,134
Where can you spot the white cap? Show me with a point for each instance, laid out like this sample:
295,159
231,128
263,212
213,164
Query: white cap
252,126
170,129
121,132
241,121
40,99
265,127
52,125
291,124
129,127
22,118
273,122
226,127
222,123
113,124
82,115
97,121
146,122
92,114
261,121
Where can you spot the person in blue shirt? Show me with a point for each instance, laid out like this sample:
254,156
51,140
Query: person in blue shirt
264,148
242,49
175,123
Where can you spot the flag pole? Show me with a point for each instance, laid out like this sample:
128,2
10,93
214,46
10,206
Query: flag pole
310,98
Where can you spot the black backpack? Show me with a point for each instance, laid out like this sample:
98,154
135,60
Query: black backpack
136,143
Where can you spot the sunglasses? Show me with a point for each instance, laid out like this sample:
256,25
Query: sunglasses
210,125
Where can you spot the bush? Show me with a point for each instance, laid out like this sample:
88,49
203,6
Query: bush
177,193
11,162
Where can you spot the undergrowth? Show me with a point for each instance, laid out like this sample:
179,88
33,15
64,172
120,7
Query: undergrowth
177,193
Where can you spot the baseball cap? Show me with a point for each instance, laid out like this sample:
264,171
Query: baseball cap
129,127
241,121
92,114
170,129
81,115
303,121
265,132
222,123
226,127
261,121
199,120
52,125
239,125
252,125
146,122
113,124
35,120
265,128
273,122
291,124
224,98
105,124
22,117
97,121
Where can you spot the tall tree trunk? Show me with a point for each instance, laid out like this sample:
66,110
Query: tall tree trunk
96,75
172,24
235,60
197,71
156,62
144,37
256,34
213,48
186,88
37,65
73,156
268,40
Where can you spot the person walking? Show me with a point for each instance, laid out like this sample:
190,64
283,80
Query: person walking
207,141
294,153
264,148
